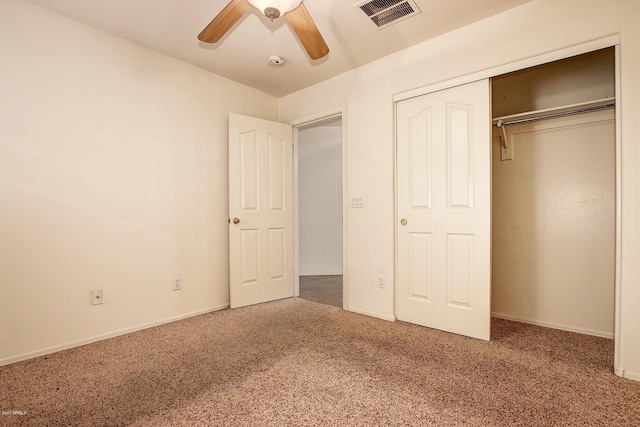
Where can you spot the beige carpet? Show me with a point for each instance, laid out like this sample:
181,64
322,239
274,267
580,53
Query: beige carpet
295,362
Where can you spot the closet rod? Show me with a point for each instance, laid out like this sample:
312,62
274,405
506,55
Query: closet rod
501,123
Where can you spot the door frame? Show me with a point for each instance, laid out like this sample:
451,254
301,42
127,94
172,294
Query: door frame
297,124
591,46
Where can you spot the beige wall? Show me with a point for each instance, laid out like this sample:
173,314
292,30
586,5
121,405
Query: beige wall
536,28
113,175
553,224
582,78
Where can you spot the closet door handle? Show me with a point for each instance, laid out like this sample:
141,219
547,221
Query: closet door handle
403,222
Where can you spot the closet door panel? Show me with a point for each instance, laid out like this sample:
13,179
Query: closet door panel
443,209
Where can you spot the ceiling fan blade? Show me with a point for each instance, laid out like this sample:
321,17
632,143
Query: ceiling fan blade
307,32
224,21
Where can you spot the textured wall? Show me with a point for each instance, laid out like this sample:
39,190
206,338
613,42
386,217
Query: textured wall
553,224
113,176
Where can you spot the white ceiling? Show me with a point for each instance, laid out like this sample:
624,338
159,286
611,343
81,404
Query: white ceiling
172,26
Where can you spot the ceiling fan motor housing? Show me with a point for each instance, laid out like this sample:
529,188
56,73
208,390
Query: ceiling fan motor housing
272,9
271,13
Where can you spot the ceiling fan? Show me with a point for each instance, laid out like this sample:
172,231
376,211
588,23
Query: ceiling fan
294,10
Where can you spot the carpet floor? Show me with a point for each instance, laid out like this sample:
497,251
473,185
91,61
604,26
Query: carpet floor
294,362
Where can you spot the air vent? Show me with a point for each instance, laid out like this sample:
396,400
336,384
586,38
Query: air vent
386,12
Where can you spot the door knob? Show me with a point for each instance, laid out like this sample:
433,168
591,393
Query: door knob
403,222
236,220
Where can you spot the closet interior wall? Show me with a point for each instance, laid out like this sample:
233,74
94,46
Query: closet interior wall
553,203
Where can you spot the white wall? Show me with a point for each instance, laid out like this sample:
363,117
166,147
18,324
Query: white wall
113,175
536,28
320,199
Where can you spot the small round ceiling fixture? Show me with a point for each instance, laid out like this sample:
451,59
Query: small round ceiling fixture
276,61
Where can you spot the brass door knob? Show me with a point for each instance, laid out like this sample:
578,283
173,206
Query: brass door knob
403,222
236,220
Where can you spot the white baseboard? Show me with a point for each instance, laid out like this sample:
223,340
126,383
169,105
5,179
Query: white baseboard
372,314
84,341
628,375
322,273
602,334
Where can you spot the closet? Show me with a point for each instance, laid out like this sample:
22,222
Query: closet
554,194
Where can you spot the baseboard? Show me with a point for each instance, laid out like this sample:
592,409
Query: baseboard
84,341
635,376
602,334
323,273
372,314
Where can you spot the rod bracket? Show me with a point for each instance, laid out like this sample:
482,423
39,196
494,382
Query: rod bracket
505,139
505,144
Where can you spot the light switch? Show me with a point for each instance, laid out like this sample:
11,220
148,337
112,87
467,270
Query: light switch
357,202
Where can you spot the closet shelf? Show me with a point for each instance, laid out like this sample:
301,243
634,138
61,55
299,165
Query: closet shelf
565,110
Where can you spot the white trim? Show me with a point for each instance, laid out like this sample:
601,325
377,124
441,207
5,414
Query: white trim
297,124
590,46
318,117
629,375
84,341
373,314
321,273
617,323
586,331
296,220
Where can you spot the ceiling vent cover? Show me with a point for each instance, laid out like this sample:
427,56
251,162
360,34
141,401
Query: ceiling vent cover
386,12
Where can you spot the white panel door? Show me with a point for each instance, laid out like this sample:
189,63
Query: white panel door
443,263
260,210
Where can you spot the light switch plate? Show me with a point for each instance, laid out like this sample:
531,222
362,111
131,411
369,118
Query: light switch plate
357,202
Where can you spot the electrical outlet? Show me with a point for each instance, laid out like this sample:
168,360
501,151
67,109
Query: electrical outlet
177,284
381,281
97,297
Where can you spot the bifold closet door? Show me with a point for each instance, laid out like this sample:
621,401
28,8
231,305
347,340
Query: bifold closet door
443,258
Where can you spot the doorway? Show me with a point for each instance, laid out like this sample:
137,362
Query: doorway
319,211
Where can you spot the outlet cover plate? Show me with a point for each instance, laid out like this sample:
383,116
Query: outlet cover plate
97,297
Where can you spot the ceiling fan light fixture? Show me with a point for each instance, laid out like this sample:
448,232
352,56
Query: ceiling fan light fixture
272,9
